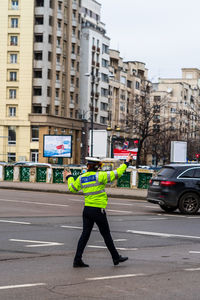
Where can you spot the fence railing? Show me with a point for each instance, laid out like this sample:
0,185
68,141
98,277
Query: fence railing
132,178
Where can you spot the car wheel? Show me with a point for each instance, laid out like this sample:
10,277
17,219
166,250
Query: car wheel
189,203
168,209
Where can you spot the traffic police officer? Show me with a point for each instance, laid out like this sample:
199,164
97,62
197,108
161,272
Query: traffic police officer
92,183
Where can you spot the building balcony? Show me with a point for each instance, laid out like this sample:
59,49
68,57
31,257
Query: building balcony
72,72
39,28
74,5
59,32
72,89
58,50
59,15
40,10
57,84
37,99
73,56
74,22
74,40
71,105
57,101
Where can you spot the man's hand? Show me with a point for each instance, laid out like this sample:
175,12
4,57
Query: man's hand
66,173
130,157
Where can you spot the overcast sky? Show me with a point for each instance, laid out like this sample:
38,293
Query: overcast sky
164,34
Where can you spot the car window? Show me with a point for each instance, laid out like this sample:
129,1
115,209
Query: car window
188,174
197,173
166,172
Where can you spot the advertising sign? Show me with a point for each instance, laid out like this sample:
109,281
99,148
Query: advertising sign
57,146
178,152
122,147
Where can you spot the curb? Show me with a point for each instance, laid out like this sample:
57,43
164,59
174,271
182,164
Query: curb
110,195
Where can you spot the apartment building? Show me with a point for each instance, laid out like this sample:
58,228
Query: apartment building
39,86
94,72
127,80
179,111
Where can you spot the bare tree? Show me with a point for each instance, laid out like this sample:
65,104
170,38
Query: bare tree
146,117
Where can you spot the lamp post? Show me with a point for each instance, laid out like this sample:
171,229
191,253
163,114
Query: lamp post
92,77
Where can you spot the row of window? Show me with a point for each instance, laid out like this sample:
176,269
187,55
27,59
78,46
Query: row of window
12,134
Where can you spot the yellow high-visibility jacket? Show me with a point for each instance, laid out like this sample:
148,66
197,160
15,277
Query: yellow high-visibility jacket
93,185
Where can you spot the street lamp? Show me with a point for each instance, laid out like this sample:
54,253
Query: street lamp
91,111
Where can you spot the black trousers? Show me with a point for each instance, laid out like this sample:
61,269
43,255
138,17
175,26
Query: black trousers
96,215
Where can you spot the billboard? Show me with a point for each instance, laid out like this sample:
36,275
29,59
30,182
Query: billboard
178,152
57,146
122,147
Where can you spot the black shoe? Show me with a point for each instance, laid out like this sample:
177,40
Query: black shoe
79,264
119,260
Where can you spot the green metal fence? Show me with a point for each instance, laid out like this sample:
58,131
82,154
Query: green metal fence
41,174
25,174
124,180
8,173
58,176
143,180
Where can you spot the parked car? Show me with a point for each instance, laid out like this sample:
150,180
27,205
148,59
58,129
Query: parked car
176,186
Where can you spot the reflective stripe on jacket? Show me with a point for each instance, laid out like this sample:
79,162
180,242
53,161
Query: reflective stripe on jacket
93,185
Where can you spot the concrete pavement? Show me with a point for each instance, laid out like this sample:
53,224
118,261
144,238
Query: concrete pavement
136,194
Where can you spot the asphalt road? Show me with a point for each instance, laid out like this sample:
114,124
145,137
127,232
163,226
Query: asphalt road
39,234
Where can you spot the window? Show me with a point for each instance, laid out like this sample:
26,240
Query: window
37,109
48,91
13,58
197,173
37,91
123,79
104,106
187,174
39,20
12,93
104,92
14,4
13,76
38,38
14,22
50,39
104,77
49,56
102,120
59,5
38,55
37,73
13,40
58,41
58,58
104,63
57,76
35,133
11,135
50,20
49,74
34,155
56,110
137,85
12,111
11,157
105,49
59,24
73,48
57,93
39,3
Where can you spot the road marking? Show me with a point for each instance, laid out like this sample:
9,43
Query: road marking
195,252
168,235
151,219
15,222
38,243
31,202
193,217
120,240
116,276
75,227
125,204
151,206
6,287
167,215
120,211
192,269
118,248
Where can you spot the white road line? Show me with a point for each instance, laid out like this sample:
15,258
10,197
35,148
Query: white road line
38,243
125,204
167,215
168,235
119,211
151,206
193,217
32,202
6,287
120,240
15,222
152,219
75,227
118,248
192,269
116,276
195,252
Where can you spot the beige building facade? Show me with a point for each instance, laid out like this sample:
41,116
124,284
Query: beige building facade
39,86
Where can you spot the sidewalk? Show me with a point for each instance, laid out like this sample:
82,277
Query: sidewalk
136,194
